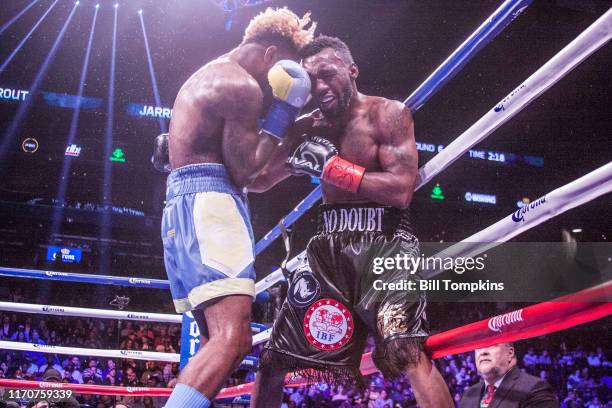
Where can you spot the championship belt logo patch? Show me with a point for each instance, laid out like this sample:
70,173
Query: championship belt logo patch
328,324
303,290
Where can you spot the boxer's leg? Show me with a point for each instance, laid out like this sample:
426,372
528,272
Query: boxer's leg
402,328
229,341
268,391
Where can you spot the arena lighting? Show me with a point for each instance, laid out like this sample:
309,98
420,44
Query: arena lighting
140,11
27,36
97,6
116,5
21,13
77,3
104,259
65,175
577,230
162,123
24,108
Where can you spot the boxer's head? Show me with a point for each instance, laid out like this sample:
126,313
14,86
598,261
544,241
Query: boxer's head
273,35
494,361
332,72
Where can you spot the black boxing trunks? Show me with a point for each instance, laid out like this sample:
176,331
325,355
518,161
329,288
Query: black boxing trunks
332,301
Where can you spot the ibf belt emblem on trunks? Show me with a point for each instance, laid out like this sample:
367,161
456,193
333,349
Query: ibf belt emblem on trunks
304,289
328,324
353,219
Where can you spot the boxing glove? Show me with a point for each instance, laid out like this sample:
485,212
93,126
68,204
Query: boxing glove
291,88
318,157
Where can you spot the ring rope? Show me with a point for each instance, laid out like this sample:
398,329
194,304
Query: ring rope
578,192
85,278
134,354
483,35
103,313
248,361
532,321
87,312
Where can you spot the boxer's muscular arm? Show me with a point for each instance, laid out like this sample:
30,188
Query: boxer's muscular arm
398,158
275,170
246,150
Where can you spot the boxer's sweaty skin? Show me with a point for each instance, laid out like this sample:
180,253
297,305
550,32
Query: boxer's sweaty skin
214,120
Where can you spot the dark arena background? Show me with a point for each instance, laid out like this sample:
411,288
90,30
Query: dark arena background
87,86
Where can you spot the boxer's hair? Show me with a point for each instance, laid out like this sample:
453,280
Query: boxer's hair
280,25
324,41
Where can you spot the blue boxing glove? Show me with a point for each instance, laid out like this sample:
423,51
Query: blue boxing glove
291,88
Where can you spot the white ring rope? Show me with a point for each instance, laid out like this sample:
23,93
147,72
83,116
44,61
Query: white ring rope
571,195
86,312
132,354
135,354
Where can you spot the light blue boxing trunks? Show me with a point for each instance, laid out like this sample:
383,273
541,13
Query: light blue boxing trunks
207,235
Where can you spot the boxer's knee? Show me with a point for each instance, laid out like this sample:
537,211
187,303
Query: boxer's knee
395,357
235,343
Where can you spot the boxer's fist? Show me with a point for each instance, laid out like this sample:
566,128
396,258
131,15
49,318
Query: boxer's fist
290,83
311,157
318,157
161,157
291,88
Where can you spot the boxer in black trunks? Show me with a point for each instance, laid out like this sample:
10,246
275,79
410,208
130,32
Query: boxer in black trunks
367,187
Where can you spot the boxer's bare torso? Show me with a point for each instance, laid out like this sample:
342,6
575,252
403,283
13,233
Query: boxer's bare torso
212,112
358,140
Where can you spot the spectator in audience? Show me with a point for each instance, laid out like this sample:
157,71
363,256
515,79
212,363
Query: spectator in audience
571,401
530,359
150,371
504,384
6,329
383,400
462,377
92,372
594,360
574,380
20,334
544,360
594,403
52,362
111,377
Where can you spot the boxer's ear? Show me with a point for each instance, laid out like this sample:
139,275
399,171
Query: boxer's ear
353,71
270,55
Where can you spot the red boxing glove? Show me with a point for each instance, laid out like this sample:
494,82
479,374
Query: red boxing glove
343,174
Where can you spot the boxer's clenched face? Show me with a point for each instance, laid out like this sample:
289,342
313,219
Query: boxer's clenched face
332,81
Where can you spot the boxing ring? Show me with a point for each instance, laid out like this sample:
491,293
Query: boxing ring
536,320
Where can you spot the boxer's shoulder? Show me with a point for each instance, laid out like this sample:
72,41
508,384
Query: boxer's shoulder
388,115
232,88
382,108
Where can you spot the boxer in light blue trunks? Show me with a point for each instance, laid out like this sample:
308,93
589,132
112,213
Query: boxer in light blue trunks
216,149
